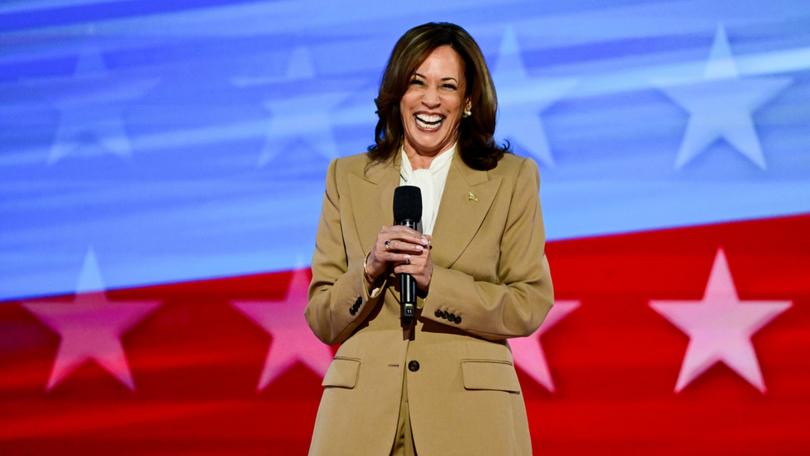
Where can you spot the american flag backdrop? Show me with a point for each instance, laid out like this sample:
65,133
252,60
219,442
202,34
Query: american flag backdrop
162,168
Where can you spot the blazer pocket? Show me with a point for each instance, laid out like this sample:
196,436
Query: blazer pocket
342,373
489,375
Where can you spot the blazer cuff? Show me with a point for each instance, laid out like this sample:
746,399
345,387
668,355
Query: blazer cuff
365,293
436,306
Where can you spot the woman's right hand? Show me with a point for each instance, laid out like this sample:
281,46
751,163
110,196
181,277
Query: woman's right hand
395,245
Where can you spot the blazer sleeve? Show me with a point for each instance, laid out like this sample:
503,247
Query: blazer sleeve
339,295
517,305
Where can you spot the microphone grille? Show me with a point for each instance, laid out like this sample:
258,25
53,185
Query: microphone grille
407,203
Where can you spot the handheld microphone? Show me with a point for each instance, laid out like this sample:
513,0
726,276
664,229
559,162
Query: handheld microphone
407,212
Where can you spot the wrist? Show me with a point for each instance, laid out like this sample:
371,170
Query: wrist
369,278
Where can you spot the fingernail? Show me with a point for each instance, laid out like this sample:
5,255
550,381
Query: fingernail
424,241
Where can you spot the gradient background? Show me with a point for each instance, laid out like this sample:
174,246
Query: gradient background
175,152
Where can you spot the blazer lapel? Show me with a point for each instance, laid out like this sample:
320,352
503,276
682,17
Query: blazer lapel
467,197
372,197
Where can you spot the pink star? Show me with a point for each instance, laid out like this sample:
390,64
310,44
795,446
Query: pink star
90,327
293,341
528,352
720,327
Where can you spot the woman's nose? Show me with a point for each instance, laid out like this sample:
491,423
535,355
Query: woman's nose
431,98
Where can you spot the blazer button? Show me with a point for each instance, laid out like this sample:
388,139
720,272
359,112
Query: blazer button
451,317
458,319
413,365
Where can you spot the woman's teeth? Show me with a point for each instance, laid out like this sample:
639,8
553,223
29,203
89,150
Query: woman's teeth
429,122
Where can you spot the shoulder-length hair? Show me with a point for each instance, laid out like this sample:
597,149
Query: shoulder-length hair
476,144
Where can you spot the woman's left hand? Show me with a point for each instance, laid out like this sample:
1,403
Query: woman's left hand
420,267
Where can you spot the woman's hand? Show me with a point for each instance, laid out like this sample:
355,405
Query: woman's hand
405,251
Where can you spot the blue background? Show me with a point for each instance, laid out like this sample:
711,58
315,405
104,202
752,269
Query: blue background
181,140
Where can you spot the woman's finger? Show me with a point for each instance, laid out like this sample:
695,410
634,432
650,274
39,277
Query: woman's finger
402,230
399,258
393,245
403,233
411,269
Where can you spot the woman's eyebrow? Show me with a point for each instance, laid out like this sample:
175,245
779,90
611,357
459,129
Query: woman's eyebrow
446,78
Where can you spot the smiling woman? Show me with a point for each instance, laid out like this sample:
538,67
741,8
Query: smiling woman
458,74
443,382
431,107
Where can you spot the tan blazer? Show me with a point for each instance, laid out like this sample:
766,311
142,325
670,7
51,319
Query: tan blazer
490,282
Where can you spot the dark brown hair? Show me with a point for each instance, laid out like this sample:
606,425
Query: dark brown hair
476,144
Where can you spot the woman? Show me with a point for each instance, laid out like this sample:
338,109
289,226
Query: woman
444,383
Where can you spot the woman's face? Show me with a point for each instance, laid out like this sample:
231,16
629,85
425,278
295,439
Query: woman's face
431,107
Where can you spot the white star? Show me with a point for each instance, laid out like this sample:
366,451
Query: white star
522,99
299,67
91,108
304,119
293,341
90,328
720,327
720,106
528,352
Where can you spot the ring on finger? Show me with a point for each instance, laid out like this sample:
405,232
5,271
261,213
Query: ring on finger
387,244
408,259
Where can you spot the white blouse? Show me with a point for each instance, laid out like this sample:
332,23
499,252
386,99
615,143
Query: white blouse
430,182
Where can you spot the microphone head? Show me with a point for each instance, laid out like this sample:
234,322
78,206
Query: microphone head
407,203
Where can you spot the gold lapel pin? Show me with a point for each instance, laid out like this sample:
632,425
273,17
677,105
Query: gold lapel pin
471,197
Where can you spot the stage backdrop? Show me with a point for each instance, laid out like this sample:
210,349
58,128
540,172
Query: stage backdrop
162,169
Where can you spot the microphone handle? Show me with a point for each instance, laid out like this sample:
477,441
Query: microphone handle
407,296
407,287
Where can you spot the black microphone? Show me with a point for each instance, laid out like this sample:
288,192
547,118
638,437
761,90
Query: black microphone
407,212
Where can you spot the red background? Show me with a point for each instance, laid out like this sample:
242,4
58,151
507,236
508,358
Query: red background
196,361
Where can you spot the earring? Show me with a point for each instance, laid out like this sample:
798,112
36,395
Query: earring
467,113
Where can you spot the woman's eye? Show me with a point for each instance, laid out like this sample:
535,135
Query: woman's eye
450,86
416,82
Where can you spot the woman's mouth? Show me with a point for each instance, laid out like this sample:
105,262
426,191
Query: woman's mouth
429,122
